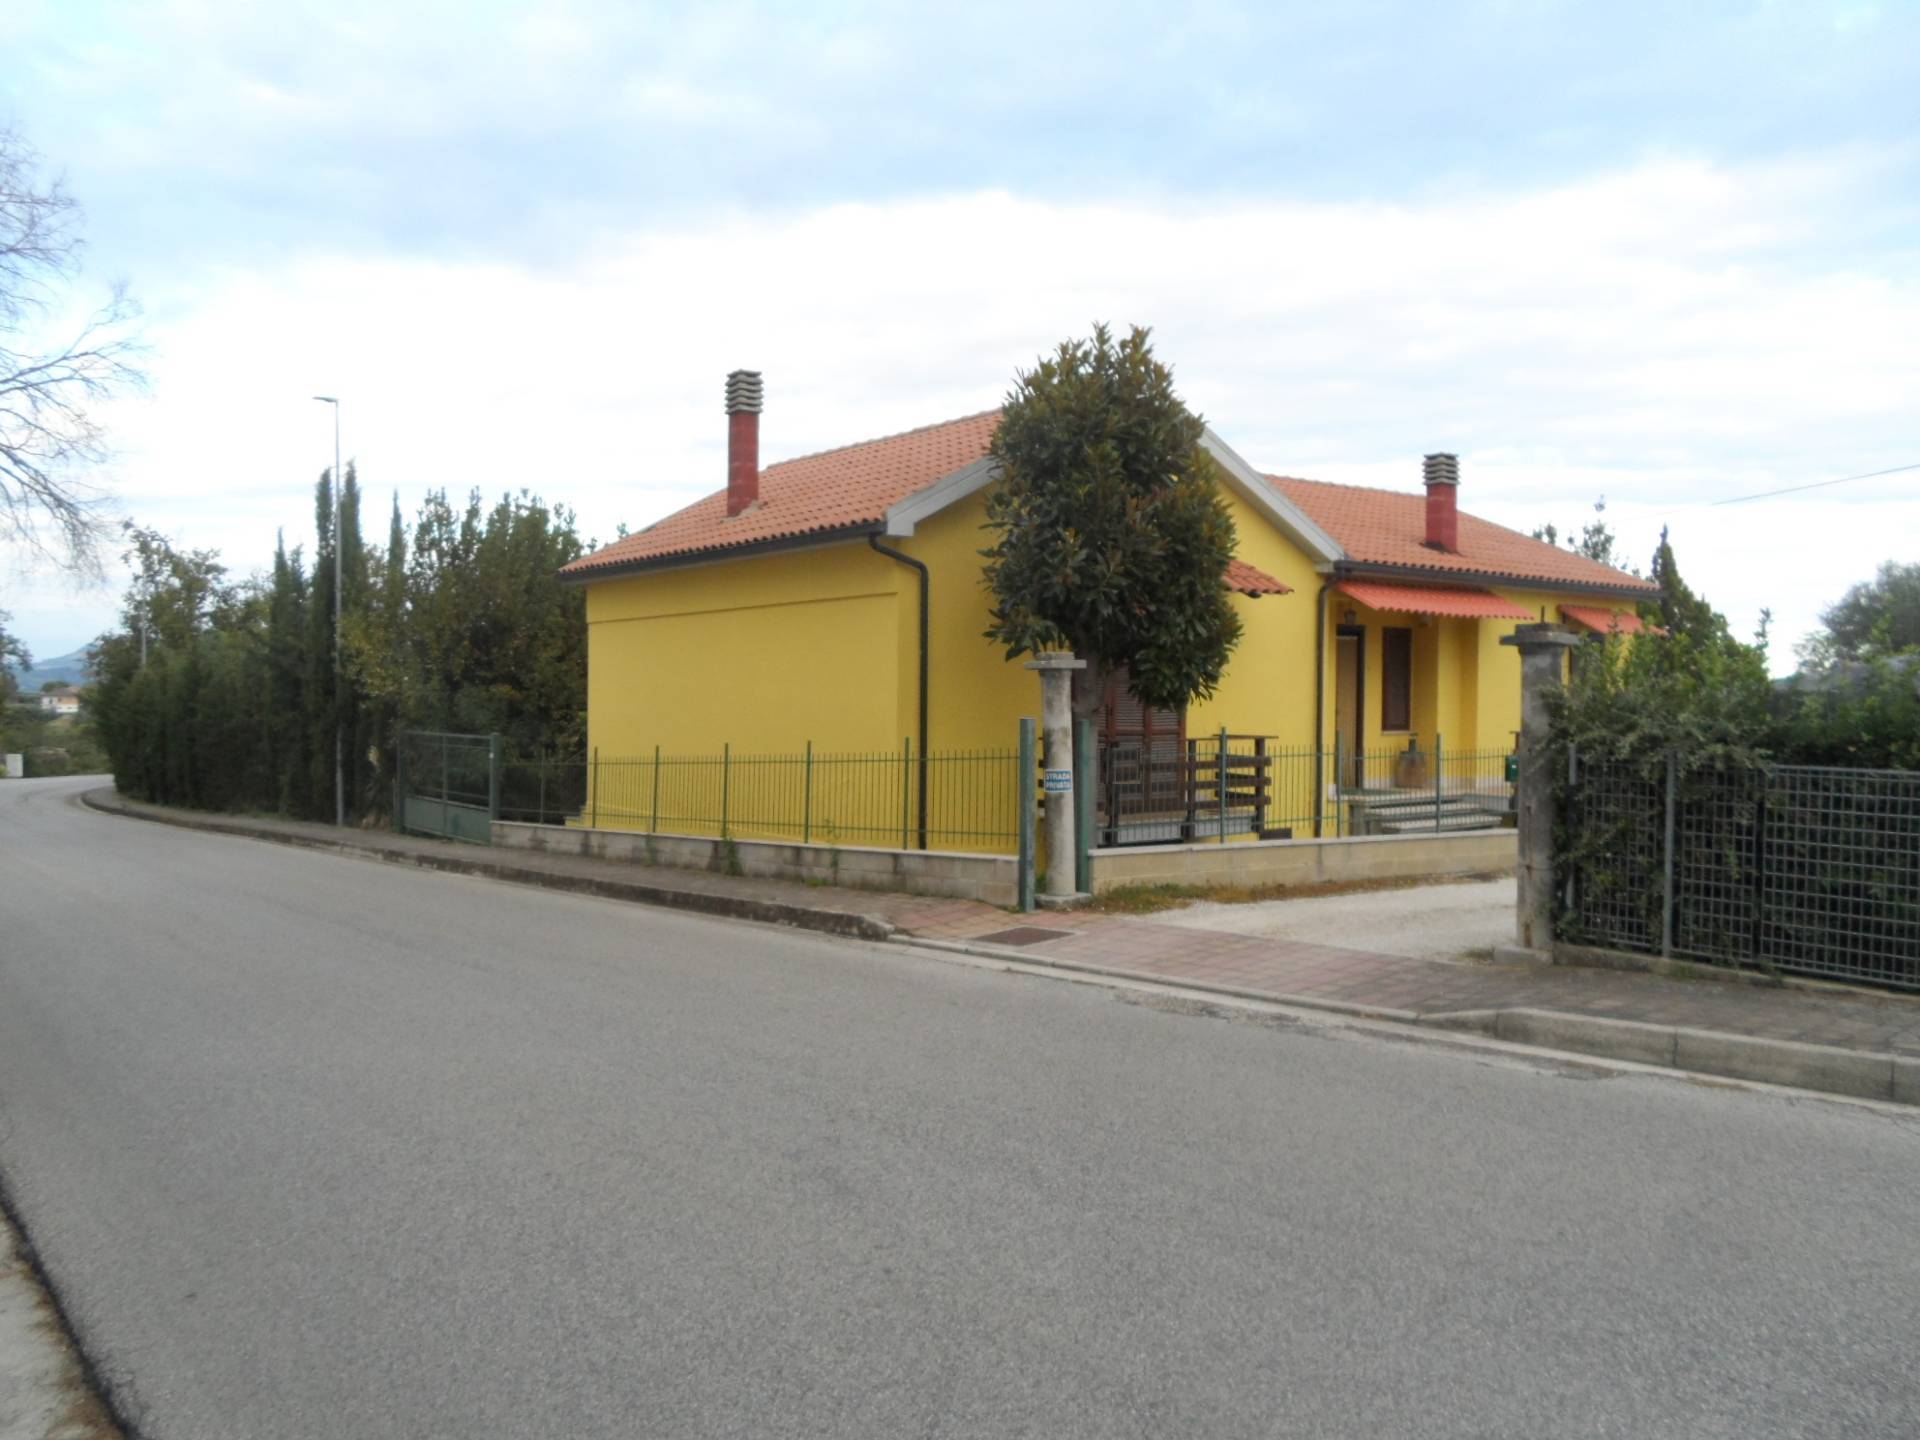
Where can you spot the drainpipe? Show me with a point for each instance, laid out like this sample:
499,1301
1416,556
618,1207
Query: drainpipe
920,566
1320,702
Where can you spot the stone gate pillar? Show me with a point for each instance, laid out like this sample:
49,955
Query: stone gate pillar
1056,669
1542,659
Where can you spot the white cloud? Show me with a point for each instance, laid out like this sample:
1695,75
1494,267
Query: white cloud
1664,335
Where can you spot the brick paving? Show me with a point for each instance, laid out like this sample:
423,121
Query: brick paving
1279,969
1426,989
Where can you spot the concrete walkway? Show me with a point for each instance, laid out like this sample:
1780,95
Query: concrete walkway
1447,920
1823,1038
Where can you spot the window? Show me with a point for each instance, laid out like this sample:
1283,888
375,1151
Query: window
1396,679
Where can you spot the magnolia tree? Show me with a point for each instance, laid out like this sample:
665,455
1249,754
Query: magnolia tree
1110,538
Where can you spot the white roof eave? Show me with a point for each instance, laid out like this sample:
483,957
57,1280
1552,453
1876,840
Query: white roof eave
904,515
1287,517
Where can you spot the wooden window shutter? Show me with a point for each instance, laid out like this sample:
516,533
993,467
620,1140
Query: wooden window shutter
1123,717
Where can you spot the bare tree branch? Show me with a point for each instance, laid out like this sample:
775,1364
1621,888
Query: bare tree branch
49,437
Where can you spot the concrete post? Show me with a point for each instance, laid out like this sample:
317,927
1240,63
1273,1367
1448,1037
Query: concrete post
1056,669
1542,650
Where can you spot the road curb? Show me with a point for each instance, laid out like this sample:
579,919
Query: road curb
1827,1069
735,907
1119,972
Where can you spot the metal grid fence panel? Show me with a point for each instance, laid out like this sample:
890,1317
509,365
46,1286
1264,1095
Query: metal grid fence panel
1715,854
1808,869
1840,878
1619,817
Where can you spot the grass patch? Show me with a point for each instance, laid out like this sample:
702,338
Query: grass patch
1151,899
1147,899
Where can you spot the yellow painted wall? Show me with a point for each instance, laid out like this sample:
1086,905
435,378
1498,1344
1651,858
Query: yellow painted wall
1466,684
1268,688
976,696
763,653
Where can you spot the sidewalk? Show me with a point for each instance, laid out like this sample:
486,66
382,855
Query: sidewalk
44,1390
1820,1038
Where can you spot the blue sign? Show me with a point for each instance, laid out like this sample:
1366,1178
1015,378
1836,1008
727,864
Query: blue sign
1058,782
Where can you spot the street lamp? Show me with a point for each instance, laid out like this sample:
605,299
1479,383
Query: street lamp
339,768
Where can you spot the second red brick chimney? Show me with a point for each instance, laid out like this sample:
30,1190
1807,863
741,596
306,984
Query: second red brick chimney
1443,502
743,440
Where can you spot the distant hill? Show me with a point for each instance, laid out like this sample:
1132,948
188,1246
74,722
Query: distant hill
65,669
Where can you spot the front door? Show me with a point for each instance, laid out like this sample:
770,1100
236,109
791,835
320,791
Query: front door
1347,683
1144,774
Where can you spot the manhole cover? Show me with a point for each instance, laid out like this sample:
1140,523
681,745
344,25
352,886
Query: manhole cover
1024,935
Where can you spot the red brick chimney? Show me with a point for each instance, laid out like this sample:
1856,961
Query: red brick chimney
743,440
1443,504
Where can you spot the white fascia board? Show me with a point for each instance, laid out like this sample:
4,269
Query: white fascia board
1291,520
930,500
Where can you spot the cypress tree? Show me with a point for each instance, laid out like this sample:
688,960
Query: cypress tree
321,694
285,662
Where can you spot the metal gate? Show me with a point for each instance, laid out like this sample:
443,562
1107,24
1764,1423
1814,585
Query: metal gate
447,785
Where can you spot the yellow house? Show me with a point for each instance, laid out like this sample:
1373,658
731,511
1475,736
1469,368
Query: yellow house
836,601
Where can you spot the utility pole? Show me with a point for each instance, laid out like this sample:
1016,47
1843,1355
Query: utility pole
339,743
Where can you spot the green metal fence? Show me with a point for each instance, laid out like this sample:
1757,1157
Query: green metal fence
1213,788
944,800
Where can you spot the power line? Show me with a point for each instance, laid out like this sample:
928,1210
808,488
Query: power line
1788,490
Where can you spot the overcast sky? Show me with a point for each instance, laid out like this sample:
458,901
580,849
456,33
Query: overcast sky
1664,253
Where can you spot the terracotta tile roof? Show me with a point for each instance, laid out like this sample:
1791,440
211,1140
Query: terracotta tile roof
1389,527
856,484
832,490
1251,580
1602,620
1461,601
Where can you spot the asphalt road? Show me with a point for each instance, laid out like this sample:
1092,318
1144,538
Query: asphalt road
318,1147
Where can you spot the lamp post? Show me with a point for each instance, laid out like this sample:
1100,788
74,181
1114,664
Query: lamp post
339,767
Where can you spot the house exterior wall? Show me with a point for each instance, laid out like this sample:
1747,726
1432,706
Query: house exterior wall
976,696
1268,688
768,652
1466,686
762,653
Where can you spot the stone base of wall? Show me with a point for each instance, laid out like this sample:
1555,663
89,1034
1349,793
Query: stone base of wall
1307,862
992,878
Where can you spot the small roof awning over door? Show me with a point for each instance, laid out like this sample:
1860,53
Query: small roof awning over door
1459,602
1250,580
1601,620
